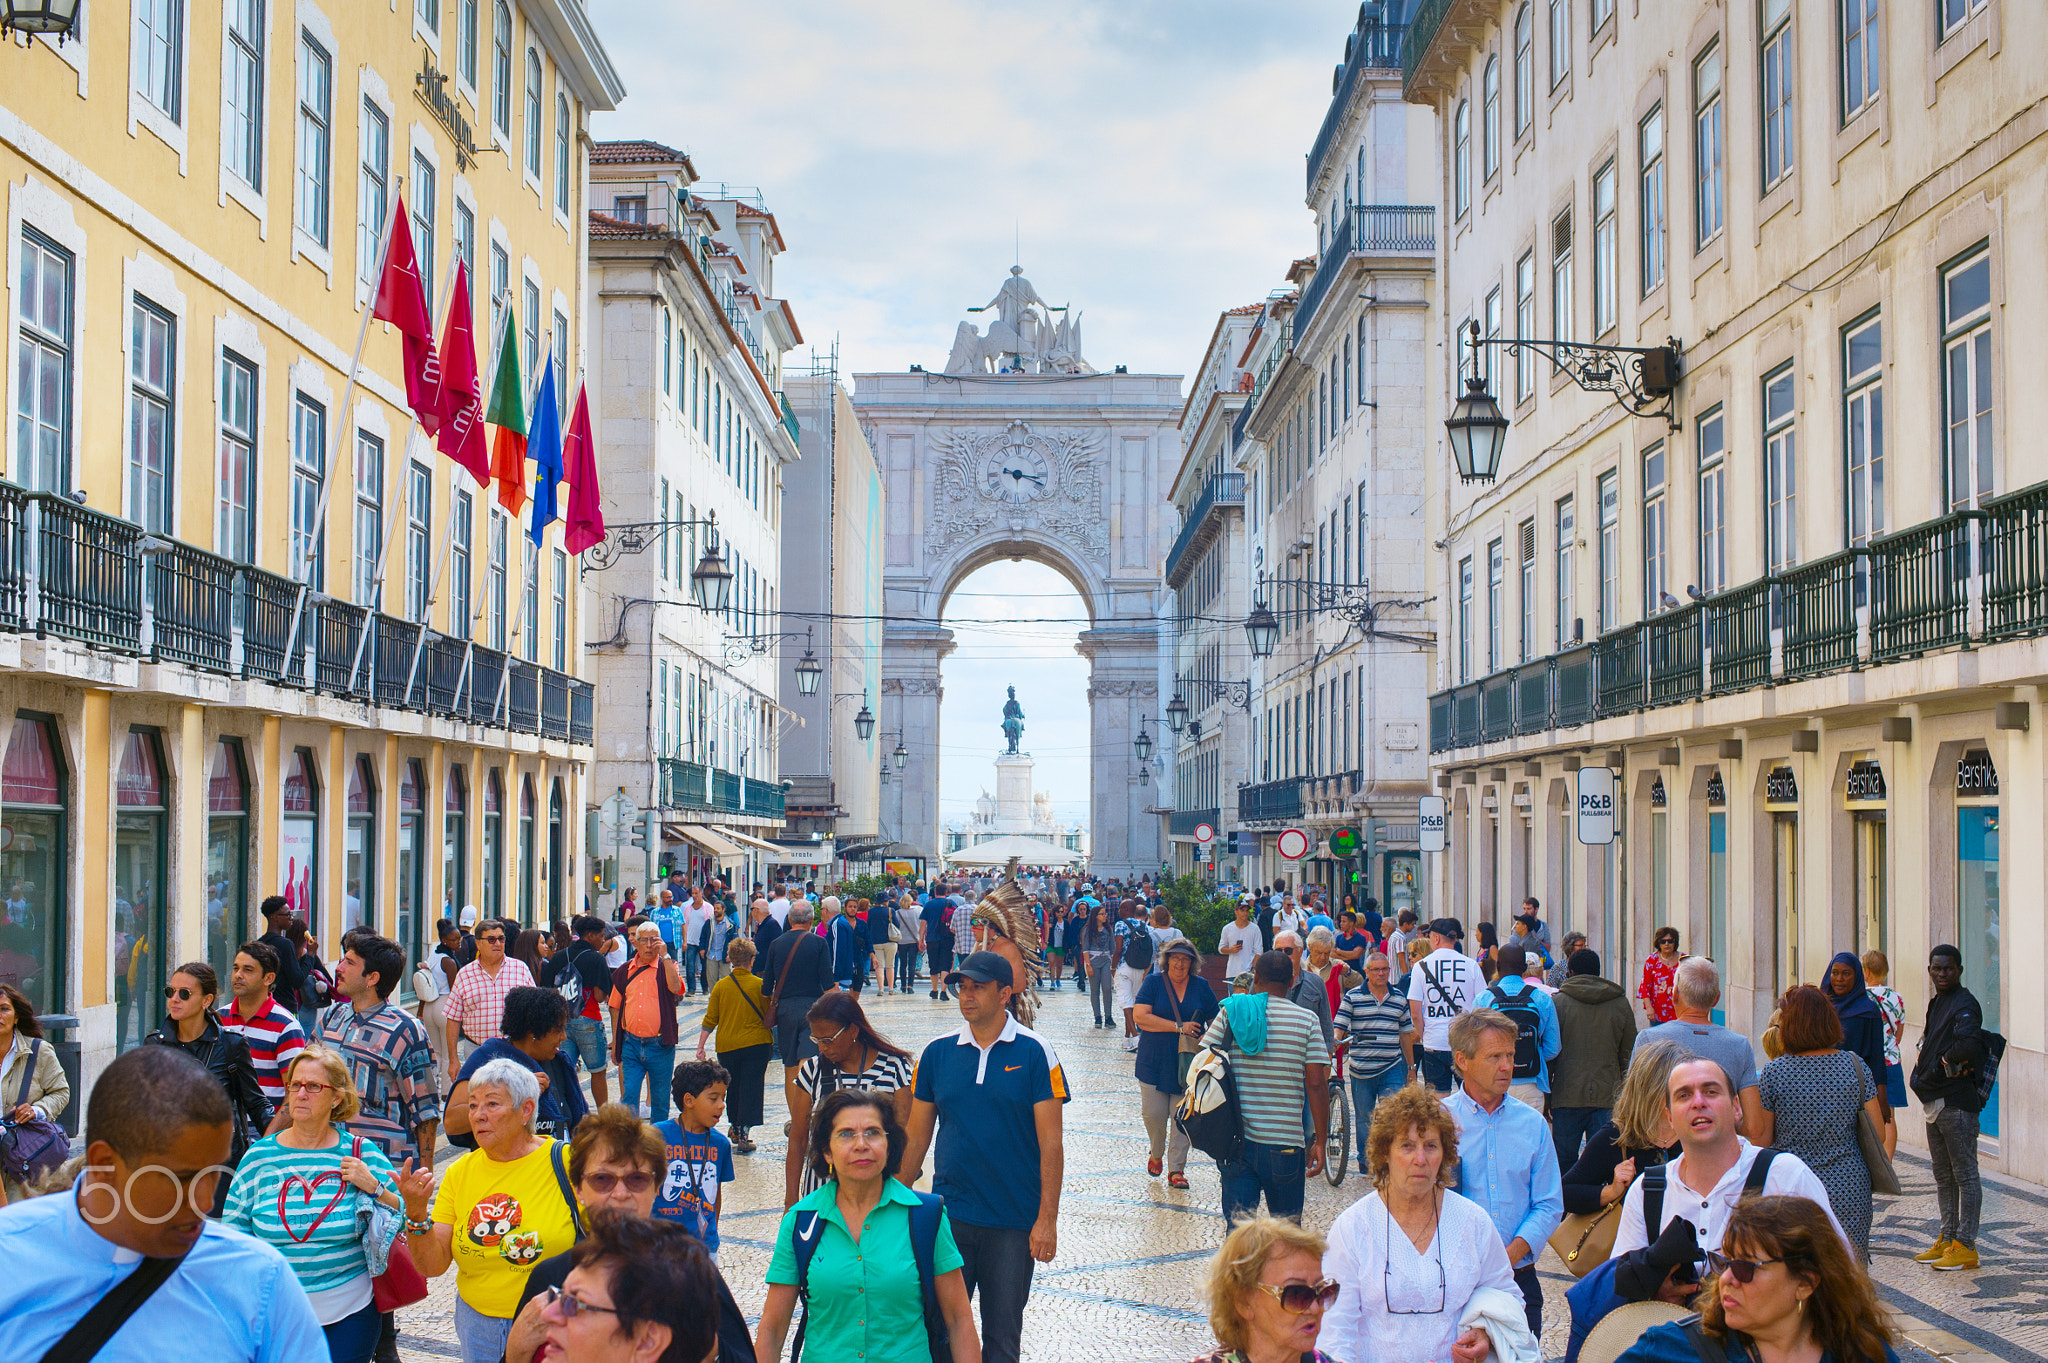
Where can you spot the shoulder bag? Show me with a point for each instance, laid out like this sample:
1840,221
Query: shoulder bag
1188,1045
84,1340
395,1280
30,1149
1585,1240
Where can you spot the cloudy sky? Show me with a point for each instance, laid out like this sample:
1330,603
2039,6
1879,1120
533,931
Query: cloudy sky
1143,159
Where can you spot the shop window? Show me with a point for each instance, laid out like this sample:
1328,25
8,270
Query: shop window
1978,907
551,870
359,873
454,845
299,850
34,796
526,870
412,819
494,846
140,889
227,855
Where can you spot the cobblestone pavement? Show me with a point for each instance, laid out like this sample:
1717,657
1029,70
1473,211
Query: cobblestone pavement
1132,1251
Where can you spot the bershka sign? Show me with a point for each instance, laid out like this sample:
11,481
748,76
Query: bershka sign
1596,806
1432,828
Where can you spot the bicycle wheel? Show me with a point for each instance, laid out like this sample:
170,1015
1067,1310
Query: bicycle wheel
1337,1155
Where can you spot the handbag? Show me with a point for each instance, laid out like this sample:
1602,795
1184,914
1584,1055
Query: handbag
395,1280
31,1149
1585,1240
1187,1045
1883,1177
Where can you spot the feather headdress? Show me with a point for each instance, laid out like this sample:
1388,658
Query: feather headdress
1006,912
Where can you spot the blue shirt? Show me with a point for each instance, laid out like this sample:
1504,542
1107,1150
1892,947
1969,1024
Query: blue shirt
1319,920
1549,1040
669,919
985,1160
233,1300
697,1165
1508,1165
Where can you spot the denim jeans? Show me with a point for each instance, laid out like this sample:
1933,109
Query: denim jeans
353,1338
1532,1298
906,965
482,1337
645,1057
1365,1096
693,967
1438,1072
1571,1127
1952,1145
1277,1171
998,1266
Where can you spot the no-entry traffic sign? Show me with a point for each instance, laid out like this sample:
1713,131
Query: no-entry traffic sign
1294,844
1204,834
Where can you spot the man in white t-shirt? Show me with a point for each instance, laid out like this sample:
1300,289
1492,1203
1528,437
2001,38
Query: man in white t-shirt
1443,985
1240,943
695,915
778,907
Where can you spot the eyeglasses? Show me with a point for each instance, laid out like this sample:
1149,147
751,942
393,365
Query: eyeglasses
178,992
573,1305
1743,1269
604,1180
1387,1273
494,939
1299,1298
306,1086
828,1040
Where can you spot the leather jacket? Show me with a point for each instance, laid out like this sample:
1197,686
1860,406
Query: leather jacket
226,1056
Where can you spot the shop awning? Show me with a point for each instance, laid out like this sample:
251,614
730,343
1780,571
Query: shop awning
713,843
748,840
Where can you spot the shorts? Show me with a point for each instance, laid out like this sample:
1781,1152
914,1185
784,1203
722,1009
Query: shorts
586,1039
1129,980
1895,1084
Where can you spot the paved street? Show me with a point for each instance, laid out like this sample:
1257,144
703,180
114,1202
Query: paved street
1132,1250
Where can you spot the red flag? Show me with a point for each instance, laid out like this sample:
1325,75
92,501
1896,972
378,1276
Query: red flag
579,467
461,405
402,301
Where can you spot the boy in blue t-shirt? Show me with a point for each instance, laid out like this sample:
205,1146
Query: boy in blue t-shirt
699,1159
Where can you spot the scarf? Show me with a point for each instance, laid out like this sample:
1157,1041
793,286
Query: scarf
1247,1014
1857,1003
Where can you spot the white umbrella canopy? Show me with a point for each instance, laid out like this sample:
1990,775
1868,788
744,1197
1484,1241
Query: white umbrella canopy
998,851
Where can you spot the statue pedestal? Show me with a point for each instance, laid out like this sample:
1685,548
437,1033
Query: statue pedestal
1013,792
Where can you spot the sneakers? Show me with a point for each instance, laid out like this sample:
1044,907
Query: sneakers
1959,1256
933,994
1130,1043
1934,1253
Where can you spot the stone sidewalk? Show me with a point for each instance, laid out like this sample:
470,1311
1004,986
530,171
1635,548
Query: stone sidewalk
1132,1251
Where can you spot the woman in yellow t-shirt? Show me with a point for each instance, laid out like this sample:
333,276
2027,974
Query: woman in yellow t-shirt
501,1209
736,1013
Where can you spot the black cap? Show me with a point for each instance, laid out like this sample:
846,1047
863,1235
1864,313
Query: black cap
1447,927
984,967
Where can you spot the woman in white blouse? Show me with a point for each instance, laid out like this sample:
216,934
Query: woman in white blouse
1411,1254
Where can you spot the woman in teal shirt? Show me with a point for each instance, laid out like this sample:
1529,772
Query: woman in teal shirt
864,1299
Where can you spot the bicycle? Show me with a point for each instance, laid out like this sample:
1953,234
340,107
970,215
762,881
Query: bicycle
1337,1150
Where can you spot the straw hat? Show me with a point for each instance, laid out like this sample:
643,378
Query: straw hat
1620,1328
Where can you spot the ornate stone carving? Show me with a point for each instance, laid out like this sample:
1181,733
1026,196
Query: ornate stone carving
911,686
988,480
1122,687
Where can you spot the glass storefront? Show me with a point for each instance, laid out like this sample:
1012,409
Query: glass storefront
1660,870
1717,897
1403,884
494,845
1784,926
412,832
141,919
1873,909
1977,914
33,792
553,870
454,839
526,870
359,852
227,856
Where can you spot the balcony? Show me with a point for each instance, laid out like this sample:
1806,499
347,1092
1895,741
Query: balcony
1275,353
1405,228
693,785
1270,802
789,421
1222,490
1372,46
1975,575
79,574
1183,822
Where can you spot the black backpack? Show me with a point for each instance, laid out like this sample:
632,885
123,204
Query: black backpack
1520,1010
1138,949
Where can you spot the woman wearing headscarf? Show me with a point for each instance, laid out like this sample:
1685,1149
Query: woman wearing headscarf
1863,1026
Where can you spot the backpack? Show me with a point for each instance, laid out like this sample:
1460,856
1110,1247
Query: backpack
1138,949
1520,1009
1655,1179
1208,1110
569,984
924,1240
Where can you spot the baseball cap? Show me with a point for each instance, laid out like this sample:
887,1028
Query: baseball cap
468,919
1181,946
984,967
1447,927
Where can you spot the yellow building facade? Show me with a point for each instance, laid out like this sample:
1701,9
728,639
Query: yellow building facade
196,201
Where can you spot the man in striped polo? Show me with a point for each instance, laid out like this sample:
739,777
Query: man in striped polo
273,1033
1280,1059
1376,1018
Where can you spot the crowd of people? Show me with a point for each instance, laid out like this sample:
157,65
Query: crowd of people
269,1160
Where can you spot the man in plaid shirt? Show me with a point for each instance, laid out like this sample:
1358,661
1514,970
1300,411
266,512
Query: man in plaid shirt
476,1005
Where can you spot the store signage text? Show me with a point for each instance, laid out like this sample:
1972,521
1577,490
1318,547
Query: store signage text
1596,806
1717,793
1432,827
1975,775
433,92
1864,782
1781,787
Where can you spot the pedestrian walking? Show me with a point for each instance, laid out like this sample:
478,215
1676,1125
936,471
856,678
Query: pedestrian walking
32,1080
1240,942
905,919
1530,934
937,918
1538,1040
1947,1081
1809,1098
191,1025
535,1027
476,1002
1307,991
1443,985
1638,1136
1070,938
1281,1062
798,971
737,1015
636,1289
212,1292
1376,1020
1659,970
1560,965
645,991
697,1159
254,1014
694,957
1173,1009
993,1092
1488,951
580,975
1877,969
1506,1161
847,1053
1267,1294
1695,993
278,918
1098,953
858,1250
1131,961
714,938
1413,1258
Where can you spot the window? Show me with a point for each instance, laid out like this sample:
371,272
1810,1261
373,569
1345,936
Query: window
561,153
501,289
1650,211
42,388
455,837
496,583
530,327
1525,325
141,905
160,54
151,360
429,14
316,113
359,849
1605,263
1525,70
235,528
561,354
369,517
501,68
561,612
1461,163
1526,537
1778,80
1610,550
1966,378
1489,122
1566,629
667,355
1492,325
309,467
461,610
1560,41
1863,426
1862,76
227,854
1655,544
1561,276
372,202
533,131
529,605
1706,145
465,245
419,537
1955,13
1781,472
242,129
1496,603
423,221
465,43
1465,618
1603,10
1713,501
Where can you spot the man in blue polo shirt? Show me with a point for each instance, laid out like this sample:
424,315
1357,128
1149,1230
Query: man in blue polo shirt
994,1090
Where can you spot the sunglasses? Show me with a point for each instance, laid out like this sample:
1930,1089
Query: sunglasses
1299,1298
603,1181
178,992
573,1305
1743,1269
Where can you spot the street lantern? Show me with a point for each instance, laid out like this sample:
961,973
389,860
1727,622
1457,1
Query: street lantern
1476,427
902,754
864,722
1262,629
1142,744
1177,713
52,18
809,672
885,773
711,579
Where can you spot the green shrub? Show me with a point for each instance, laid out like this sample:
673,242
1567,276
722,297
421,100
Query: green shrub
1199,909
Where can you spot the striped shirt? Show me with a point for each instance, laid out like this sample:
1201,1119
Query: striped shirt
274,1039
1375,1027
477,1001
297,1201
818,1077
392,1064
1271,1086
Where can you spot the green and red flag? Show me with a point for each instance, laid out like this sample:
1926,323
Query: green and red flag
507,415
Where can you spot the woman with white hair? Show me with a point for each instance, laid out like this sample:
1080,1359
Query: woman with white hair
501,1209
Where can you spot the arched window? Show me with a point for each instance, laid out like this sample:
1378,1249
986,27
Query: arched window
1489,122
34,798
501,69
455,845
299,848
533,131
227,855
359,874
1461,160
494,846
141,923
412,835
561,153
558,852
526,868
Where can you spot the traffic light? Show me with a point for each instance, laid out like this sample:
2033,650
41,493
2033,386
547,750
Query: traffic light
643,834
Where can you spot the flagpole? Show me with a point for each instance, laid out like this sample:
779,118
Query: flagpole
319,529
